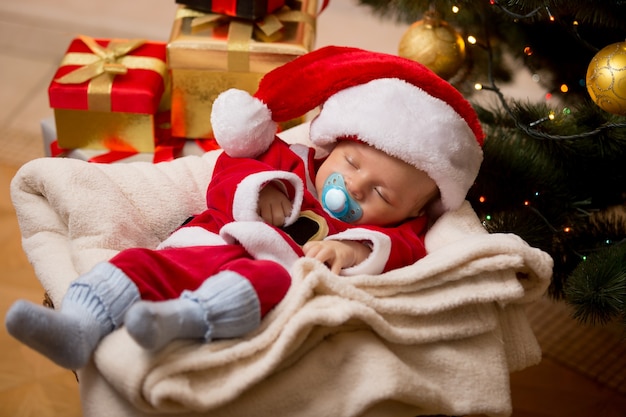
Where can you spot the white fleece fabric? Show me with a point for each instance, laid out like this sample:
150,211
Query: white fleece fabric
437,337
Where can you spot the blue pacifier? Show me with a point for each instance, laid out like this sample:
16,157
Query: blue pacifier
337,201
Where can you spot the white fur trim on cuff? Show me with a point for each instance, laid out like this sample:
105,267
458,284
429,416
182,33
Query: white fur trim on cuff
380,244
246,199
261,241
191,236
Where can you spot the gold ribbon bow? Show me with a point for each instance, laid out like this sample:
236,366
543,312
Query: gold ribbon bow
240,31
102,65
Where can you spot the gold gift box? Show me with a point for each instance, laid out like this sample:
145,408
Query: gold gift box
105,130
208,54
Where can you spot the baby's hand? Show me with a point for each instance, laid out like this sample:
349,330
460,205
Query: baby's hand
274,206
337,254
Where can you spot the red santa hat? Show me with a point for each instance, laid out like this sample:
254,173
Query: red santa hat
391,103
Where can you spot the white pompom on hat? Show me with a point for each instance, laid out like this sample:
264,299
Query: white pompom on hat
391,103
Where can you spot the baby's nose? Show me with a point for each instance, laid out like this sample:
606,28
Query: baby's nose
355,187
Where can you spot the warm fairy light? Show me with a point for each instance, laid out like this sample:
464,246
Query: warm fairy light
455,9
482,199
550,116
528,50
472,40
478,86
550,14
575,23
527,203
564,88
567,229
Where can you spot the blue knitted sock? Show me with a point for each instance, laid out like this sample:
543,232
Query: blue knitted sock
93,307
224,306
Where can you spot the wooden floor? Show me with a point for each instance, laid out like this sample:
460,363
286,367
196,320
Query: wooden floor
583,372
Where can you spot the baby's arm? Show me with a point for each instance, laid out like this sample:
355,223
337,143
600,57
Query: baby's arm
337,254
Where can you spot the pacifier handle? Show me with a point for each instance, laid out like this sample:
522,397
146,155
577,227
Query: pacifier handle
338,202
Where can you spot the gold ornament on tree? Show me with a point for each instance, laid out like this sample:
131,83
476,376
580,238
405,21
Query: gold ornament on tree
435,44
606,78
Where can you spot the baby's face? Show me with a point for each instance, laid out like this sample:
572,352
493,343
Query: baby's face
388,190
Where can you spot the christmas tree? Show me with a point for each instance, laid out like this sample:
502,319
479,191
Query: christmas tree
554,172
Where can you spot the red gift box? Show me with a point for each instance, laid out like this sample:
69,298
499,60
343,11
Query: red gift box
106,92
245,9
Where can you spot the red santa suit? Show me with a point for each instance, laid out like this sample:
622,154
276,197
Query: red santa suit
230,235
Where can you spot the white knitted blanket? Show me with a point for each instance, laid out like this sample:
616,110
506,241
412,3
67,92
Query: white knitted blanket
438,337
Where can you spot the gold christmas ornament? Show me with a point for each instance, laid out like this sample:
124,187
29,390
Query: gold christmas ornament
606,78
434,43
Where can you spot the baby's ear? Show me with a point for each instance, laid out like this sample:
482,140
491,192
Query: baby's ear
429,206
418,212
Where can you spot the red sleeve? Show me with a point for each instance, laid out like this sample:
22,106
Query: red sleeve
229,172
407,242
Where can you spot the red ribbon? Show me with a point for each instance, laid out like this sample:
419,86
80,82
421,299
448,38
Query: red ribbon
112,156
164,153
228,7
56,150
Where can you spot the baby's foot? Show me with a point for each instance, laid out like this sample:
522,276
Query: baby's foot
66,339
154,324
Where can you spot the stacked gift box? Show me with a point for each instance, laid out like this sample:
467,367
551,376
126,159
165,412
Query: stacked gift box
120,98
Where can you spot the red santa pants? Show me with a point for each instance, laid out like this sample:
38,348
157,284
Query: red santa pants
165,274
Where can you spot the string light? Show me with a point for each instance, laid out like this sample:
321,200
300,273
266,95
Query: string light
513,14
550,116
472,40
455,9
537,134
482,199
523,16
564,88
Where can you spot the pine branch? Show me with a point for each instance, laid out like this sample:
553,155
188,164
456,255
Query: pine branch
551,174
597,288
